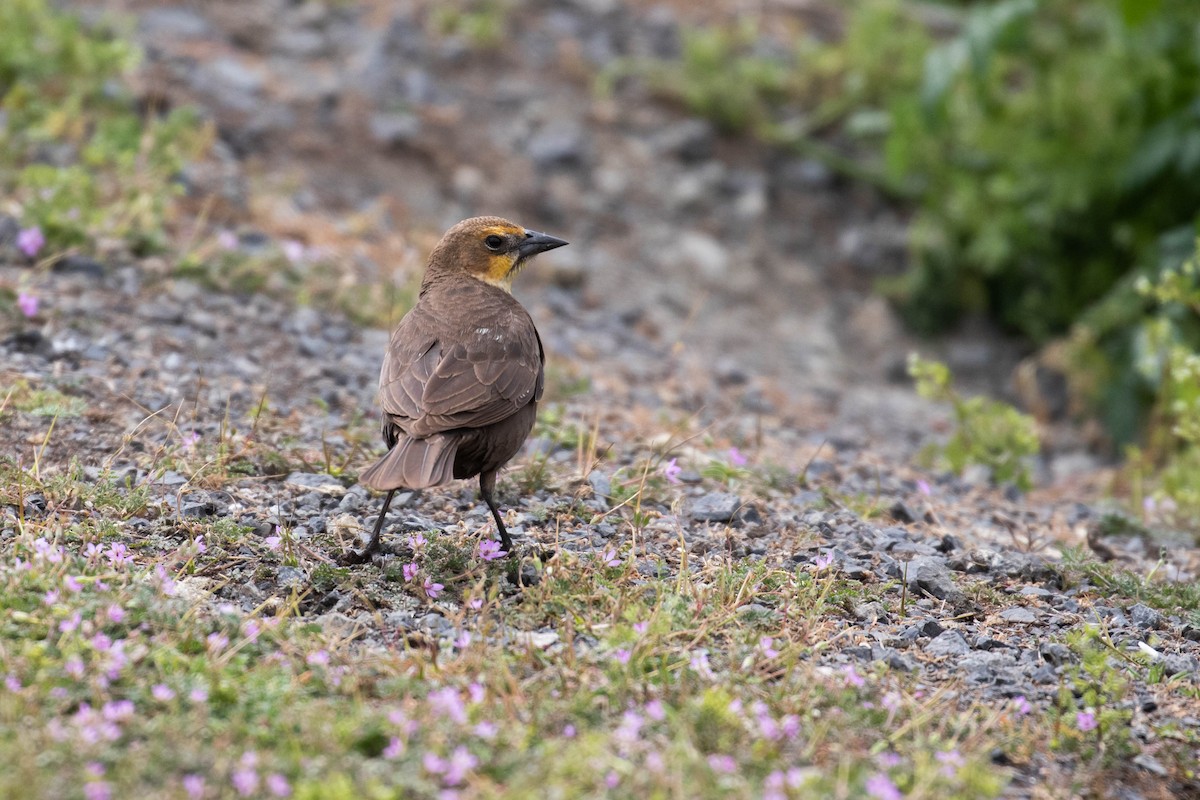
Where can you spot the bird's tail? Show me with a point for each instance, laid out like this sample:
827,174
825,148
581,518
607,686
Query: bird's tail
413,464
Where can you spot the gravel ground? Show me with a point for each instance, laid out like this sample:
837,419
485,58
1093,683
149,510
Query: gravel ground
177,389
713,298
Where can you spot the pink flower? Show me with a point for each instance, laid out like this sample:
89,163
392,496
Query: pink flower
880,787
395,748
199,695
851,676
447,702
640,627
433,589
823,561
416,541
292,250
194,786
115,613
410,571
490,550
245,781
28,303
1021,705
228,240
475,603
671,471
162,693
950,760
278,785
722,763
736,458
318,658
460,763
97,790
622,656
699,664
610,558
766,647
1086,721
273,542
30,241
923,487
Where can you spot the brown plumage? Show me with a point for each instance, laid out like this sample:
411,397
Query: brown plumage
463,373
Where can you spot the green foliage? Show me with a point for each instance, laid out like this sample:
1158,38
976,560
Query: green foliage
720,77
1111,581
989,433
75,153
1051,148
1092,713
1053,145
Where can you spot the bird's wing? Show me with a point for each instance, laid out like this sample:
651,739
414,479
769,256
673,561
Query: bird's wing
435,380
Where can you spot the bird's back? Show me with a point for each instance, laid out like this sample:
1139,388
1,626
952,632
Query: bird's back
459,386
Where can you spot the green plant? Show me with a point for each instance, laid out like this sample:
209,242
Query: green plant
1092,715
988,432
76,154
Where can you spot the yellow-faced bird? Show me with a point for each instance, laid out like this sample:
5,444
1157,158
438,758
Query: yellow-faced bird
464,370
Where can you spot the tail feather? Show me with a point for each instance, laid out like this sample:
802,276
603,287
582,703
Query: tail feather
413,464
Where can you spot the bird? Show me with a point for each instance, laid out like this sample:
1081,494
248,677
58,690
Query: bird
464,369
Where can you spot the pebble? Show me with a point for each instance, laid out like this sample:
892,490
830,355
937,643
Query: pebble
323,484
947,643
1018,614
715,507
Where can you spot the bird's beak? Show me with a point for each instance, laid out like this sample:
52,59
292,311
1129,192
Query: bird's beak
535,243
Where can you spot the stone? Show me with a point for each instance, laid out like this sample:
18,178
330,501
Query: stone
556,145
317,482
1145,617
1018,614
930,575
715,507
946,644
394,128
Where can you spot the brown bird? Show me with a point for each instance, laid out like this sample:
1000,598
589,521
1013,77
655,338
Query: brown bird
464,371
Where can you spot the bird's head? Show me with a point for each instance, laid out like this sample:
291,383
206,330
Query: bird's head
491,249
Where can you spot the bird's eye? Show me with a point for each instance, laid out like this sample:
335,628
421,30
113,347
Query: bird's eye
493,242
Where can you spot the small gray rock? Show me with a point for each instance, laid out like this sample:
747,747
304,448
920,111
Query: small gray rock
1018,614
291,579
556,145
1145,617
948,643
394,128
1044,674
325,484
929,574
601,485
1180,664
931,628
1056,654
715,507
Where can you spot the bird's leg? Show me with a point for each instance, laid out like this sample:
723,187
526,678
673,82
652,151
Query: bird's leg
487,482
373,545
